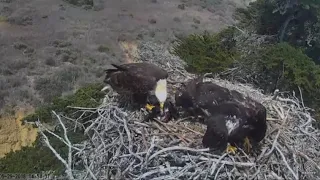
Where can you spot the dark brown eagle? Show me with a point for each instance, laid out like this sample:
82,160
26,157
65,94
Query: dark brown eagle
230,117
143,81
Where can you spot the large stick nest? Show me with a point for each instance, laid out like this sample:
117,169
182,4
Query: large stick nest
126,148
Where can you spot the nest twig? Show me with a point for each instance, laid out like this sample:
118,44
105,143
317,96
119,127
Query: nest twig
123,147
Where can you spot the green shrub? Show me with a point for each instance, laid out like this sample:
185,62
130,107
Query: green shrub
30,160
103,48
284,67
207,52
3,19
39,157
88,97
80,2
54,85
296,24
259,17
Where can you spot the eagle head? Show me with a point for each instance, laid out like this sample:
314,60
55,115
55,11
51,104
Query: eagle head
153,107
161,92
183,99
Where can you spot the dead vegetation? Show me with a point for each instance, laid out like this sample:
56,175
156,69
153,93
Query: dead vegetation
123,147
39,39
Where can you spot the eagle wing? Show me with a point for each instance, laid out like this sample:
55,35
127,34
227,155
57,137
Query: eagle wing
135,77
210,94
145,70
140,83
258,121
216,135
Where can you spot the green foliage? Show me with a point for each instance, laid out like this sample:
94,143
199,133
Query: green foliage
30,160
88,97
38,158
259,17
61,81
293,23
103,48
3,19
80,2
207,52
285,67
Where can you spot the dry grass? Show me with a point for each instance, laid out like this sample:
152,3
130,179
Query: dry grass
3,19
37,39
130,50
123,147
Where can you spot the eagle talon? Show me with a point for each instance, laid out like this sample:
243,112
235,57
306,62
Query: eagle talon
247,145
231,149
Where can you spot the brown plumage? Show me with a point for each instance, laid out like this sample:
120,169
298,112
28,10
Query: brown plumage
134,78
146,83
230,116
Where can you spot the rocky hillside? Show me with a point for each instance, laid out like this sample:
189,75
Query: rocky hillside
51,48
123,146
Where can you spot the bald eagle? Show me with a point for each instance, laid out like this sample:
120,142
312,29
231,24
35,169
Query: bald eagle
141,80
230,117
234,123
195,94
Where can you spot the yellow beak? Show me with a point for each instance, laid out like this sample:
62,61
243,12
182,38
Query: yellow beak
149,107
162,107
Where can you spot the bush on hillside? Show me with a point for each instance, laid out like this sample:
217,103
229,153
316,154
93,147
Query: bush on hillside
283,67
207,52
298,24
54,85
88,97
80,2
40,158
259,17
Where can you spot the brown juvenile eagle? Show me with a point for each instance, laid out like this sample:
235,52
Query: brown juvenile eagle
230,117
141,80
234,123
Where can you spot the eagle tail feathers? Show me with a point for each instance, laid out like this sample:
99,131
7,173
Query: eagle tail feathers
110,71
119,67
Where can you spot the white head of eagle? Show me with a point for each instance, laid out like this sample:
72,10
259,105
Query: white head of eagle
161,92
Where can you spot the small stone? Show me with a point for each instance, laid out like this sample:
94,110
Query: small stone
181,6
152,21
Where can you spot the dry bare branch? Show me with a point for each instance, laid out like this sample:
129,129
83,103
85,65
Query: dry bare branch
123,147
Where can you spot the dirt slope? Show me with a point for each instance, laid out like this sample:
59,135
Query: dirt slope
62,44
50,47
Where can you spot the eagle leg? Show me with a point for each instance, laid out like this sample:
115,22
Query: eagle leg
247,145
231,149
148,117
152,113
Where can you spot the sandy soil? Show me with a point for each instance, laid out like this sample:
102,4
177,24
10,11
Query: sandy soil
38,38
14,135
